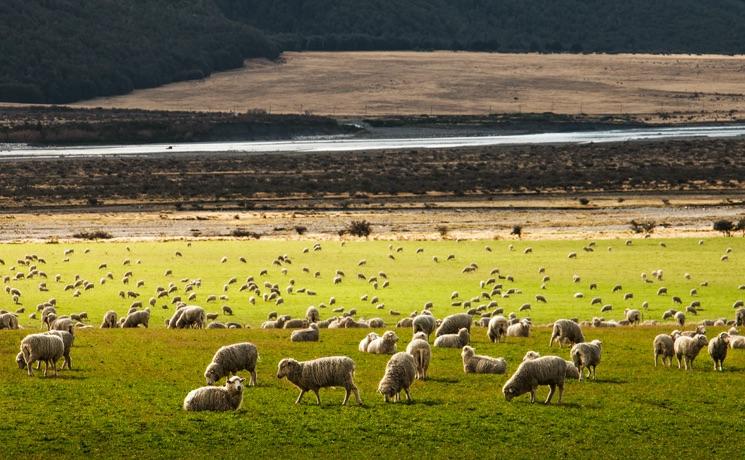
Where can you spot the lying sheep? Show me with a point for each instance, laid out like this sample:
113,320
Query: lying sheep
686,349
663,346
718,350
295,324
383,345
311,334
459,340
137,318
586,355
376,323
230,359
224,398
737,342
424,323
399,375
497,328
333,371
519,329
110,320
566,330
548,370
279,323
480,364
454,323
405,322
40,347
364,343
420,350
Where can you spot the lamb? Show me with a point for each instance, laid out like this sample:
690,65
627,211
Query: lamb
67,340
586,355
320,373
306,335
424,323
519,329
421,351
210,398
459,340
663,346
566,330
190,316
136,318
718,350
633,316
479,364
686,349
230,359
454,323
312,314
40,347
364,343
547,370
399,375
384,345
497,328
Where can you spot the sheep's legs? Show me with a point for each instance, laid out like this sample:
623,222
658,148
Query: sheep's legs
318,397
561,392
532,395
356,392
551,389
297,401
28,365
679,363
655,360
252,381
54,367
408,395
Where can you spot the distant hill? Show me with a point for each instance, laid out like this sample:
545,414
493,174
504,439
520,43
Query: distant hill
66,50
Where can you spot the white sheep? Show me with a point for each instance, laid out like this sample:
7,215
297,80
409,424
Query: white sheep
40,347
190,316
311,334
586,355
566,330
383,345
230,359
453,323
663,346
67,340
633,316
480,364
399,375
333,371
134,319
459,340
686,349
424,323
572,371
519,329
718,350
547,370
224,398
366,341
421,351
497,328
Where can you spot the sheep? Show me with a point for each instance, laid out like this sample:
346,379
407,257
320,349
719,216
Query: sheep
40,347
424,323
399,375
718,350
479,364
230,359
306,335
190,316
680,317
276,324
67,340
312,314
547,370
8,321
136,318
572,371
62,324
211,398
383,345
663,346
586,355
420,350
320,373
453,323
376,323
226,310
295,324
737,341
216,325
459,340
364,343
405,322
740,317
686,349
519,329
497,328
566,330
633,316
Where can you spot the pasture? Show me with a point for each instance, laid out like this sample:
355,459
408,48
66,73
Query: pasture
123,396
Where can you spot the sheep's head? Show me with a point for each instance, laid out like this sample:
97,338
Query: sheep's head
531,355
419,335
390,336
235,384
509,392
724,337
464,336
211,374
388,391
21,361
598,343
286,366
467,352
701,340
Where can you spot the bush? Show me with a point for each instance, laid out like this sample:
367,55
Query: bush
93,235
359,228
300,229
724,226
443,230
243,233
642,227
584,201
740,225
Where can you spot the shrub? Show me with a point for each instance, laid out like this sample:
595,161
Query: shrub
300,229
517,230
584,201
93,235
359,228
443,230
740,225
724,226
243,233
643,226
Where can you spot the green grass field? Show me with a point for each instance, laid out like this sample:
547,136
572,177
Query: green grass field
123,397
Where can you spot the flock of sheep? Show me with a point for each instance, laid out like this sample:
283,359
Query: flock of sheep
402,369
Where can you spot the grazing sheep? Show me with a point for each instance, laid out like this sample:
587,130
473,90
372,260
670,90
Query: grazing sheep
420,350
424,323
718,350
547,370
383,345
480,364
67,340
680,317
497,328
191,316
136,318
319,373
40,347
459,340
686,349
8,321
453,323
586,355
663,346
210,398
740,317
633,316
312,314
566,330
226,310
399,375
62,324
230,359
306,335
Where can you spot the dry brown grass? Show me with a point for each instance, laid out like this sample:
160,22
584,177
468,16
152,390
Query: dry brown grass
384,83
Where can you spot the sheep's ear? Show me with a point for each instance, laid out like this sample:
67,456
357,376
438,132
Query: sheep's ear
241,379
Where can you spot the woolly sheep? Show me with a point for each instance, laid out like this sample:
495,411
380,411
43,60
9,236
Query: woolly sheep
459,340
191,316
686,349
740,317
366,341
306,335
424,323
333,371
312,314
295,324
384,345
40,347
547,370
399,375
497,328
67,340
405,322
230,359
210,398
718,350
737,342
420,350
453,323
663,346
136,318
519,329
586,355
680,317
633,316
480,364
8,321
62,324
566,330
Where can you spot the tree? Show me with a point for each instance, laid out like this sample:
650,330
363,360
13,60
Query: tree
517,230
724,226
740,225
643,226
359,228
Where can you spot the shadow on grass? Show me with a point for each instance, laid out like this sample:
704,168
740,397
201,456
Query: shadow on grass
441,380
